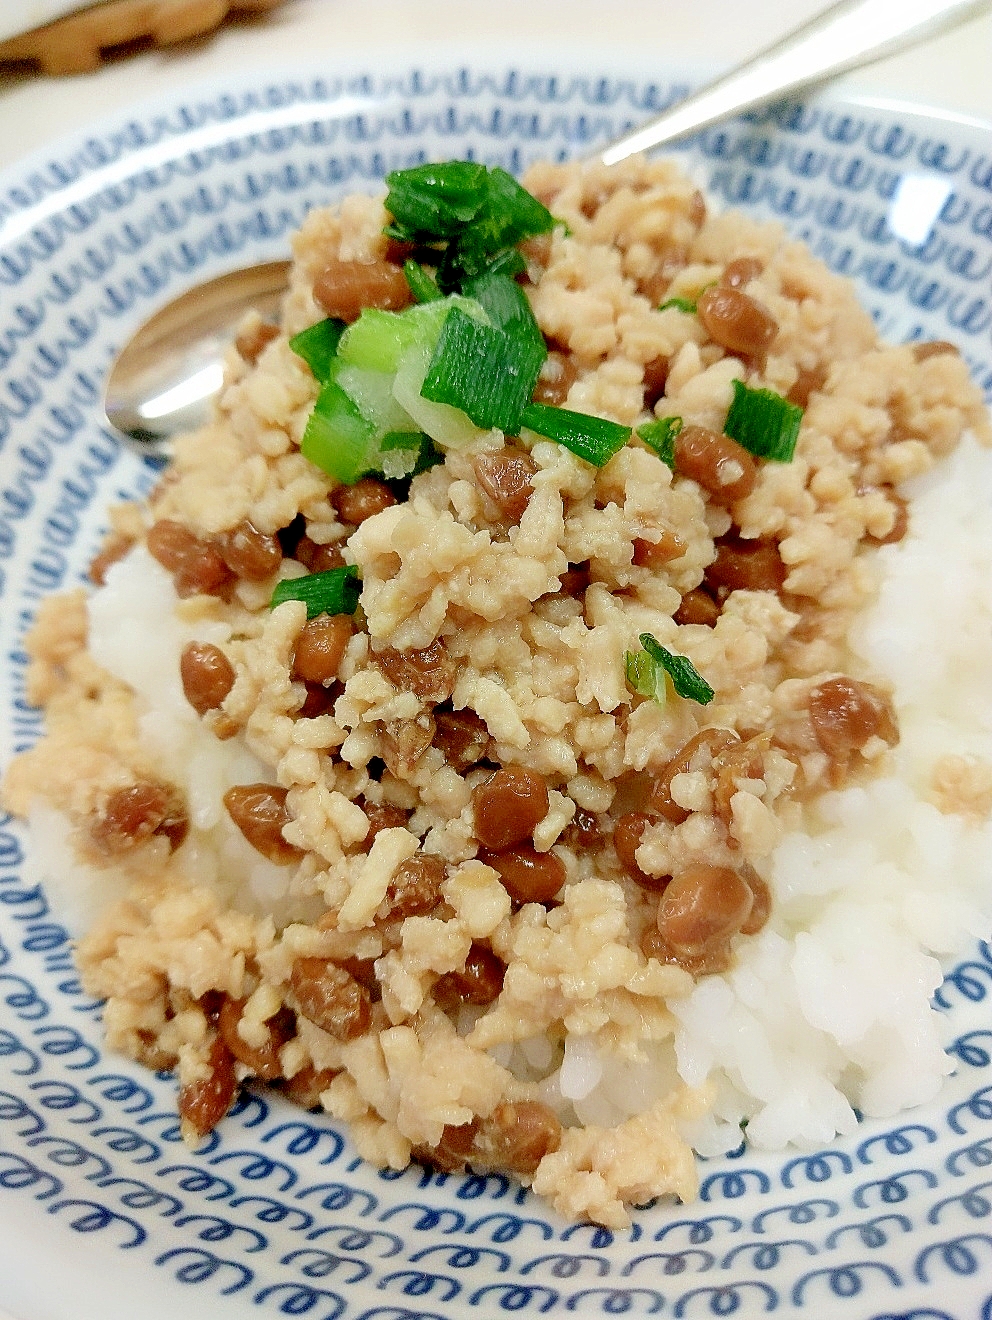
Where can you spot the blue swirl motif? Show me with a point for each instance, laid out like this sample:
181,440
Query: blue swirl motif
527,1297
970,980
827,1286
465,1256
969,1255
922,1313
801,1213
818,1168
896,1189
274,1212
765,1256
213,1228
316,1264
92,1217
687,1260
504,1226
875,1233
742,1297
421,1283
694,1232
301,1298
732,1184
19,1175
974,1048
977,1155
975,1202
900,1141
617,1301
196,1265
976,1110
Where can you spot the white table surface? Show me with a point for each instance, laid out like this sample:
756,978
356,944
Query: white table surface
951,72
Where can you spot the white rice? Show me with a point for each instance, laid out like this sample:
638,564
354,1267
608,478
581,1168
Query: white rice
136,634
827,1012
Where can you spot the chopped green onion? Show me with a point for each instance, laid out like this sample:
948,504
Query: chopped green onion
477,212
447,426
483,371
686,680
508,262
659,435
378,339
508,215
394,440
372,390
335,591
407,454
764,423
435,201
645,676
428,457
513,212
317,346
422,284
593,438
687,305
372,394
506,305
337,438
358,425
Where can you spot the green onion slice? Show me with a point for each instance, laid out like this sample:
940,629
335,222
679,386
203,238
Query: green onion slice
422,284
659,435
687,305
337,438
508,262
766,424
317,346
486,372
686,679
378,339
645,677
593,438
435,201
475,212
407,454
506,304
428,456
334,592
372,394
448,427
509,214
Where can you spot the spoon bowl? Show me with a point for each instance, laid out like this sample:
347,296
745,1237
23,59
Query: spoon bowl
163,382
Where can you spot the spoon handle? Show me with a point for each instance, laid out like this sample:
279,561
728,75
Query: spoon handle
843,37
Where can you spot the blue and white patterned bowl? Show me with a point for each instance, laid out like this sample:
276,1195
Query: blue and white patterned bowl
103,1212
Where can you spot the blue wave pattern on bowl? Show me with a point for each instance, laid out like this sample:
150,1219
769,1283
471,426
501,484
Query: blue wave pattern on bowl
275,1212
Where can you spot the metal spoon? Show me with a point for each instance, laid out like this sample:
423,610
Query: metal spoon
846,36
164,380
